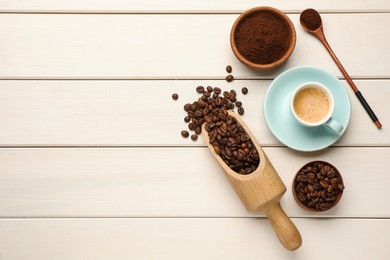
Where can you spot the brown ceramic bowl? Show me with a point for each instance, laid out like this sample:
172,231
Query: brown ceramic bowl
263,38
319,185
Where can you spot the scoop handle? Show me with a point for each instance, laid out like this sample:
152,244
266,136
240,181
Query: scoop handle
284,228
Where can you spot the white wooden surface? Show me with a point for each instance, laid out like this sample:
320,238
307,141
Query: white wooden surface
92,164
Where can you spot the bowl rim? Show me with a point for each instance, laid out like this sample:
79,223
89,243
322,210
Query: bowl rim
279,14
307,208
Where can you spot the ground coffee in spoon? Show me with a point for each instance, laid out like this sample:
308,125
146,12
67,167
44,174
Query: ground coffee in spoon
311,19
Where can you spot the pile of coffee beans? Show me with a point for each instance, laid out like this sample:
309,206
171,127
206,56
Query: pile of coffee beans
226,135
212,101
317,185
231,142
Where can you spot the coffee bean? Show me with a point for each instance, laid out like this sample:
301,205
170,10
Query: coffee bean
210,89
200,89
232,99
185,134
226,94
217,90
194,137
324,184
187,107
241,111
175,96
229,69
229,78
198,114
191,126
187,119
244,90
238,104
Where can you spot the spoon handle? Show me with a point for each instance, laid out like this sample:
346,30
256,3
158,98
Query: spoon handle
320,35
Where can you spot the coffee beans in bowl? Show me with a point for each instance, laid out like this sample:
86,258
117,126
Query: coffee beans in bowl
263,38
318,186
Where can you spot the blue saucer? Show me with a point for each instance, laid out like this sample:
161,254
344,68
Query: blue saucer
280,120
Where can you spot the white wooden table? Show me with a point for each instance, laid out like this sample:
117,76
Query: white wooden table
92,164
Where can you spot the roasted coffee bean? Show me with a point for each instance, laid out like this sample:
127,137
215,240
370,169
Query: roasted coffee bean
319,185
324,184
241,111
191,126
185,134
198,130
209,89
244,90
187,119
229,78
226,94
175,96
200,89
238,104
229,69
198,114
217,90
187,107
194,137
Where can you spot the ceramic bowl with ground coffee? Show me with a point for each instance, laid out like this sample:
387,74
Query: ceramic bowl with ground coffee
263,38
318,186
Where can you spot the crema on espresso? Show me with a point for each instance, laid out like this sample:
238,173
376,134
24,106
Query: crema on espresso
311,104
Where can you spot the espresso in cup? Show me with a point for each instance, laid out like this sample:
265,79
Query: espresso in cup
312,105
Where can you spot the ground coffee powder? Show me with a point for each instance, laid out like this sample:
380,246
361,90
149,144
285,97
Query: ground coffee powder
262,38
311,19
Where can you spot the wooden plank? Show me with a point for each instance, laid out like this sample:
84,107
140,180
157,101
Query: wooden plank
176,182
142,113
175,238
187,6
52,46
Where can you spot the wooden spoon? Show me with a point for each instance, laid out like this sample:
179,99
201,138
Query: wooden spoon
261,190
311,21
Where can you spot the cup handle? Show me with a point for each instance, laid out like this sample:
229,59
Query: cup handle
335,126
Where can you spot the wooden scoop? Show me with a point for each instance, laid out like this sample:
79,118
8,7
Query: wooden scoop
261,190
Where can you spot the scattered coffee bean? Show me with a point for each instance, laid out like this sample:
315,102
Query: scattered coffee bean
175,96
317,185
185,134
241,111
229,69
210,89
244,90
229,78
238,104
194,137
200,89
187,119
